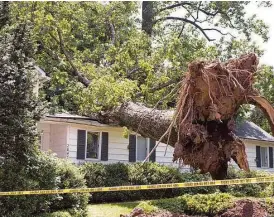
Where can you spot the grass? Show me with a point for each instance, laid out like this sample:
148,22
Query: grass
111,209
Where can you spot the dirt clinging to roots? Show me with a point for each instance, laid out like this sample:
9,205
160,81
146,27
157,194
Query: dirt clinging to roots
210,97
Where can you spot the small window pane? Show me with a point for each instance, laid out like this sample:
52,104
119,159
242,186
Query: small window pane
141,148
264,157
92,145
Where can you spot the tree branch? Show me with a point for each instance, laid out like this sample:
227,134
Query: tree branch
175,6
213,29
160,86
187,21
112,31
81,78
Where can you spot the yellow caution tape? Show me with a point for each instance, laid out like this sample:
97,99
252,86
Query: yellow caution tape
145,187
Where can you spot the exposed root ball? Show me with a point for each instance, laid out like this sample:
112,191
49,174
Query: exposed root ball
210,96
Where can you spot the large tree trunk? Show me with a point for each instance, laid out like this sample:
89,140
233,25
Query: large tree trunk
148,122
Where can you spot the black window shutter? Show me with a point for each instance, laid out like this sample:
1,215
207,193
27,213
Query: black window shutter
270,157
152,144
132,148
258,156
104,146
81,144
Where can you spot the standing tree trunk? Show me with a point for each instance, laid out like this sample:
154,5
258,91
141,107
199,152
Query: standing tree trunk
147,17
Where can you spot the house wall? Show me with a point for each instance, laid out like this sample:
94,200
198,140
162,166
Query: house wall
61,138
117,147
250,146
53,138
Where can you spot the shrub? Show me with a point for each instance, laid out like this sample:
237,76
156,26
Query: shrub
252,190
39,174
43,172
98,175
56,214
200,204
269,204
196,177
107,175
70,176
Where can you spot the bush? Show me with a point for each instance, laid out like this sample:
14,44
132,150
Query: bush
200,204
196,177
70,176
43,172
107,175
99,175
56,214
251,190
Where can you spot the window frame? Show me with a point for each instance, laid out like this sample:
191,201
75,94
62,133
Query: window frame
267,154
147,148
99,148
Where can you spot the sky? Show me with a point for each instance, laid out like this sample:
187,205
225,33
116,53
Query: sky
266,14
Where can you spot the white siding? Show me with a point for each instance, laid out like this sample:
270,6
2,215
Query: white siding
62,139
250,148
164,155
117,147
58,140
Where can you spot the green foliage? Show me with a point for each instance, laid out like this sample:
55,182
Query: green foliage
269,203
69,176
42,173
250,190
148,207
199,204
56,214
104,42
118,174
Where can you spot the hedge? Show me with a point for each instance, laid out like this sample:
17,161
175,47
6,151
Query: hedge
119,174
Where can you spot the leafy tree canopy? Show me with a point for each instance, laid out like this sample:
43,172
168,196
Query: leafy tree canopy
99,55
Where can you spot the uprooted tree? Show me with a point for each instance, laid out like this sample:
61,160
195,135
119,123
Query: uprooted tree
101,62
201,128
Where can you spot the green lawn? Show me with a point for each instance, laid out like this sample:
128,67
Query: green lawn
111,210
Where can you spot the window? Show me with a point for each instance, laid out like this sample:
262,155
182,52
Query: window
92,145
264,157
142,148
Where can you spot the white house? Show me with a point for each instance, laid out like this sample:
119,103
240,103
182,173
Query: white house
82,139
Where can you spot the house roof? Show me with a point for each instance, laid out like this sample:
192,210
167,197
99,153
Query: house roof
245,129
249,130
70,116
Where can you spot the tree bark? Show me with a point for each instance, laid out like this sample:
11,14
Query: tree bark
4,13
151,123
147,17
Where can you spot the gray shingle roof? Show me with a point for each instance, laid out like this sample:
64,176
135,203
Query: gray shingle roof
249,130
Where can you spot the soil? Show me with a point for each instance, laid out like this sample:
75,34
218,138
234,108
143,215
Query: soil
210,96
246,208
